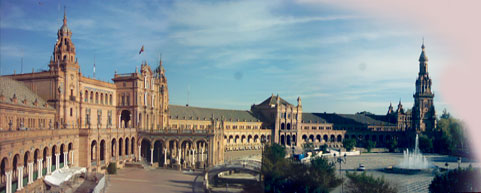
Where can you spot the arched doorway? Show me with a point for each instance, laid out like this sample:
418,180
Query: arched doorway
93,153
113,149
54,160
62,158
145,150
126,146
125,118
102,152
120,147
132,143
158,152
69,154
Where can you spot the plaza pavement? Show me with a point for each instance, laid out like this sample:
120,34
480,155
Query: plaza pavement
375,162
132,180
168,180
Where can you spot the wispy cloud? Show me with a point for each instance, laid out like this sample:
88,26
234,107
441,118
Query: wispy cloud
234,53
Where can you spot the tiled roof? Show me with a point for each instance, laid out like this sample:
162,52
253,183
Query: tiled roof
350,119
272,100
312,118
10,87
198,113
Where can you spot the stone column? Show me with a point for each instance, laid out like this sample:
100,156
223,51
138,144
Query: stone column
30,172
202,153
193,157
73,157
178,155
8,188
57,161
20,178
140,157
49,165
65,159
152,156
40,167
165,157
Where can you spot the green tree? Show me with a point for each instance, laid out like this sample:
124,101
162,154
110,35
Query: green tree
274,167
458,180
349,144
392,145
112,168
283,175
451,134
308,147
425,144
323,148
361,183
369,145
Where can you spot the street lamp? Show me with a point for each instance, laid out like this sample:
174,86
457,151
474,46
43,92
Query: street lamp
263,141
459,162
341,160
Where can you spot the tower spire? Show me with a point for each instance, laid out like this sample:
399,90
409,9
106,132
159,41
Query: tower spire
65,15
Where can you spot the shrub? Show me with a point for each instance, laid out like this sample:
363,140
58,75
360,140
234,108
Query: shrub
392,145
458,180
282,175
369,145
349,144
112,168
323,148
425,144
361,183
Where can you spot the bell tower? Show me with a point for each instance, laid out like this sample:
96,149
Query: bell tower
64,50
65,66
424,114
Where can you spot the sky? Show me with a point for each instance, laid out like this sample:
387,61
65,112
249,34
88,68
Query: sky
232,54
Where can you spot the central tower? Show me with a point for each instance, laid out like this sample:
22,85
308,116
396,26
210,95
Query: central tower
64,65
424,114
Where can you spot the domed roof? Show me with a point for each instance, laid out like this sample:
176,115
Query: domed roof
64,27
423,57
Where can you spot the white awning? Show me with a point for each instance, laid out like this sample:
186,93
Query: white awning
62,175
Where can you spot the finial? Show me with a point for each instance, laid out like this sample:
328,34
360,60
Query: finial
423,44
65,15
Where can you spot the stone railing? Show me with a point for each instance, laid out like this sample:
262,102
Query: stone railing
179,131
101,131
246,146
28,134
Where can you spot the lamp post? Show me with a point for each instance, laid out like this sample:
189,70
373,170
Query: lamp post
263,141
459,162
340,160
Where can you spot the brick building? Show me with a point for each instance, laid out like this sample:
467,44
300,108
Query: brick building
60,118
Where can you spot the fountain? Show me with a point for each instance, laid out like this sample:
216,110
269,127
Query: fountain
412,162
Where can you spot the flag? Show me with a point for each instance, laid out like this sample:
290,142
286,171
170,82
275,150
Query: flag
141,49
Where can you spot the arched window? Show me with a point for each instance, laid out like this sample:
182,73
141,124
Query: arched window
145,98
92,96
101,98
110,100
145,82
86,96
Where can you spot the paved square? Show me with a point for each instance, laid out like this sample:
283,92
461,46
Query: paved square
152,180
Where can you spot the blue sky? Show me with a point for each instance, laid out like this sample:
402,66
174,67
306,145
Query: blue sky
231,54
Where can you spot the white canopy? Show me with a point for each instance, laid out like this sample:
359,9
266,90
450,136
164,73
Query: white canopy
62,175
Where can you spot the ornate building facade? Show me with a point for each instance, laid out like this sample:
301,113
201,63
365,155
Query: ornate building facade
60,118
